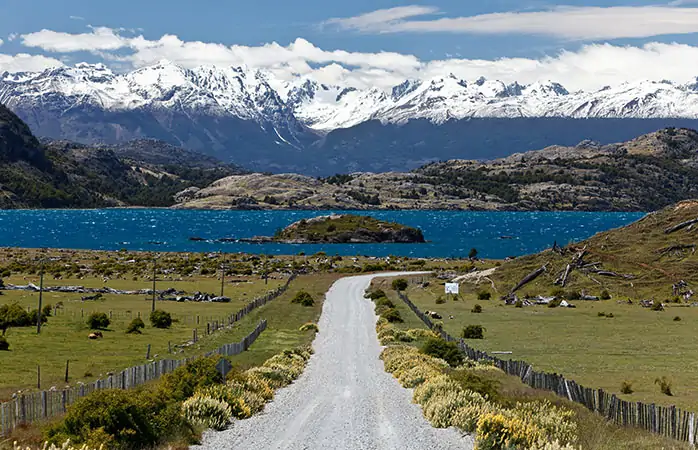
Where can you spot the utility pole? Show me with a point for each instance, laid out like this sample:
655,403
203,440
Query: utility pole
222,277
41,293
154,269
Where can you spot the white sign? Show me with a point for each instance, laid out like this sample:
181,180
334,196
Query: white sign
452,288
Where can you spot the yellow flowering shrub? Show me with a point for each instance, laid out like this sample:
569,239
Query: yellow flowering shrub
259,385
207,412
421,333
553,446
557,423
434,387
415,376
465,418
442,406
230,394
504,431
66,446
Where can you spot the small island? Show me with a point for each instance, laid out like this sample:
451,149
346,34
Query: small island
343,229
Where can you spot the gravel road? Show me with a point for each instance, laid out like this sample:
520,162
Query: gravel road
344,399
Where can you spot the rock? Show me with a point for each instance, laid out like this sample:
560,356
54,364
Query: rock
186,195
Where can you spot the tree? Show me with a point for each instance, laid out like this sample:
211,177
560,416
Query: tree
473,253
13,315
98,321
160,319
400,284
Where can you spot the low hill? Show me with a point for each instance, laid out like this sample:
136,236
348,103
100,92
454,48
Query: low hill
343,229
61,174
644,174
643,260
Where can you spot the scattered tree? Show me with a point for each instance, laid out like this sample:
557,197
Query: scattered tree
160,319
473,332
98,321
400,284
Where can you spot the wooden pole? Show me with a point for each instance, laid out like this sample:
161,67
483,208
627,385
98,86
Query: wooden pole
147,355
38,377
41,292
154,269
67,365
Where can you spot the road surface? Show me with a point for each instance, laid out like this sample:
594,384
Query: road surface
344,399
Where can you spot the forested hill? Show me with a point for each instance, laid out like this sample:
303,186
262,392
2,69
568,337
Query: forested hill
60,174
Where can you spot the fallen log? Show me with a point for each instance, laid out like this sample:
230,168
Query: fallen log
563,279
680,226
528,278
605,273
677,248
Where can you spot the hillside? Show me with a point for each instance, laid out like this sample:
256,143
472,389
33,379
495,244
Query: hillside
640,261
270,125
61,174
643,174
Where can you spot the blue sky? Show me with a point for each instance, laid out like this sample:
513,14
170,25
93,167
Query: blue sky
129,33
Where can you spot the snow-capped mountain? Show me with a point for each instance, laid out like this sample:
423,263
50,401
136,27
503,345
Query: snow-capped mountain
248,116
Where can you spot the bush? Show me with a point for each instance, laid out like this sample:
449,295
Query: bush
610,316
98,321
135,326
184,381
518,304
477,309
664,385
309,327
469,380
605,295
601,314
626,387
439,348
473,332
34,316
4,345
392,315
160,319
13,315
231,395
484,295
502,431
440,409
677,319
303,298
47,310
400,284
118,414
555,303
572,295
657,306
440,300
207,412
375,295
384,302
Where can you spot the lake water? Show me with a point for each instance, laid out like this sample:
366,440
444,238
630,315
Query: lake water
451,234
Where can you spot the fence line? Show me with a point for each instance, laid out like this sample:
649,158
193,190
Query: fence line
38,406
668,421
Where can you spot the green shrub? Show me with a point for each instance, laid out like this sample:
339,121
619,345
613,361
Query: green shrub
469,380
392,315
499,431
160,319
384,302
626,387
555,303
439,348
518,304
572,295
610,316
135,326
118,413
34,316
473,332
207,412
4,345
399,284
98,321
484,295
601,314
605,295
47,310
677,319
664,386
181,383
557,292
440,300
13,315
303,298
657,306
375,295
477,309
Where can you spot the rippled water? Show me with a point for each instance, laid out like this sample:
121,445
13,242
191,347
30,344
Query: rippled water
451,234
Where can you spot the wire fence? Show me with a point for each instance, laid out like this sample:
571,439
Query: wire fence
668,421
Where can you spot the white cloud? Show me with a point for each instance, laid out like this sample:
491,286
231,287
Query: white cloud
76,18
12,36
591,67
101,38
1,42
23,62
566,22
377,20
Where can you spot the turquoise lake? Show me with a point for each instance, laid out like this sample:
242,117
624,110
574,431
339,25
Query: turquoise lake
451,234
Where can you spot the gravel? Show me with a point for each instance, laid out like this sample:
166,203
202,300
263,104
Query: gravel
344,399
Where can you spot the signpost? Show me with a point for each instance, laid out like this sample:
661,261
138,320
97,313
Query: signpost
452,288
224,367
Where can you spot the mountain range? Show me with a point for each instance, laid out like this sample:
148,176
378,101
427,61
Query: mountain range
249,117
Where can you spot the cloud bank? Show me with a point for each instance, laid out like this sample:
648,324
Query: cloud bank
591,67
564,22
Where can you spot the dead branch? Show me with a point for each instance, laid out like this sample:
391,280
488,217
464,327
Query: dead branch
680,226
563,279
605,273
528,278
678,248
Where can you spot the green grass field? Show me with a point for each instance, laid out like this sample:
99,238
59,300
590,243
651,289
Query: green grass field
636,345
64,337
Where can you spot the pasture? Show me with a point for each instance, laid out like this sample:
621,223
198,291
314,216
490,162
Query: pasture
635,345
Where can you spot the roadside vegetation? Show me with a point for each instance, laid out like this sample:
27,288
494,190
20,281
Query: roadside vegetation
477,398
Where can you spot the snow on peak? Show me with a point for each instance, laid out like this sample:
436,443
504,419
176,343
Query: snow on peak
253,94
